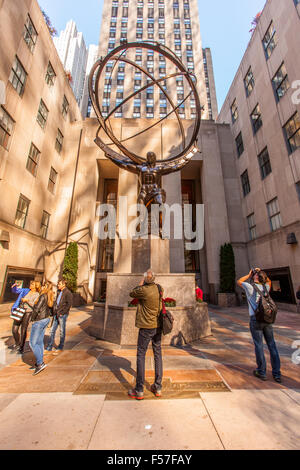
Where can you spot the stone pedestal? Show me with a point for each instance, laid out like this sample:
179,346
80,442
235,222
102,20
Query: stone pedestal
190,323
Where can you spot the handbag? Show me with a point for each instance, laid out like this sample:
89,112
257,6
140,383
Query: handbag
18,313
166,317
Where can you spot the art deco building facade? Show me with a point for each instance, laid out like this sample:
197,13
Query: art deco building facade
173,23
263,109
54,178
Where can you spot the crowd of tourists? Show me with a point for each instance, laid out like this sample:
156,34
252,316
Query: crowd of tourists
39,305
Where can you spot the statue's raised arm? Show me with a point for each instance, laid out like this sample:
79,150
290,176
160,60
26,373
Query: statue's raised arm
115,158
176,165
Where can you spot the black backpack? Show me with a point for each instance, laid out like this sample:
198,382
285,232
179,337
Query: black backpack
266,310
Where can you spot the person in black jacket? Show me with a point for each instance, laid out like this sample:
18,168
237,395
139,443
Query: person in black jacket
61,309
40,320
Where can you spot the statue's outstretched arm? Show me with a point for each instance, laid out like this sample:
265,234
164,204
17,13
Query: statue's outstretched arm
114,157
176,165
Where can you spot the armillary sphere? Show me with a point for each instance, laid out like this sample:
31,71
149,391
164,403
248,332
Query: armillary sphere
148,169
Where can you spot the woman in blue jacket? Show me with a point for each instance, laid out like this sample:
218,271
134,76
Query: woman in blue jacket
29,296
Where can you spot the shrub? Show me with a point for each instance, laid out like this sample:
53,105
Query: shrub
70,269
227,269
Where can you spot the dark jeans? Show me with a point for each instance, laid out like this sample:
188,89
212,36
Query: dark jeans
61,321
20,339
260,331
145,336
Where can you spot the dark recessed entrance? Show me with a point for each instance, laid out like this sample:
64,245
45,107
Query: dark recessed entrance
282,286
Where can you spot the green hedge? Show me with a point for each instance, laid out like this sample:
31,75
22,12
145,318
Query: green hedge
70,269
227,269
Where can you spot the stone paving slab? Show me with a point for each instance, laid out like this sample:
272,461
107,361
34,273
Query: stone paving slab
159,425
253,420
49,421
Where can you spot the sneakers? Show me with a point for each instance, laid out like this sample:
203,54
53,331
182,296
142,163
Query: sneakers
155,391
39,368
259,376
133,393
278,380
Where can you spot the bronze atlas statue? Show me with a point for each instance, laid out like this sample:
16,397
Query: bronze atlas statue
149,169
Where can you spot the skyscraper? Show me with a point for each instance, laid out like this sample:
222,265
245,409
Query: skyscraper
72,51
173,23
86,104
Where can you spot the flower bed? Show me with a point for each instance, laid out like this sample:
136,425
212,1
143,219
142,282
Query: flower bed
170,302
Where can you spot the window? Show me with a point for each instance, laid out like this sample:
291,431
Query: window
30,34
6,128
59,141
264,163
18,77
270,40
52,180
256,119
292,133
42,115
249,82
125,12
114,12
280,82
50,75
151,13
274,214
245,183
234,112
33,160
251,226
239,144
140,12
45,224
65,107
161,12
22,211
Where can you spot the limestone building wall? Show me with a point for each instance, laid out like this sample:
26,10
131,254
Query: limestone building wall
267,246
24,248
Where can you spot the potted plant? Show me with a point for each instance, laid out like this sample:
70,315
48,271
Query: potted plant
227,296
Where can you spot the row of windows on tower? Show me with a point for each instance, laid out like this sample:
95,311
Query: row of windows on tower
280,84
274,217
151,13
273,211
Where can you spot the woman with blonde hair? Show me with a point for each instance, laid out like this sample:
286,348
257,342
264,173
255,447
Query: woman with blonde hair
40,320
27,302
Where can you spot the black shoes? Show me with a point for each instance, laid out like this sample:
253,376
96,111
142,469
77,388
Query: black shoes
259,376
278,380
155,391
133,393
39,368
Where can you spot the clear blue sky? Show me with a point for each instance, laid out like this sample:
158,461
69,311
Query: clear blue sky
224,28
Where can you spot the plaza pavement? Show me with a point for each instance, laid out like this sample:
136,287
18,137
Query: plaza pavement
211,399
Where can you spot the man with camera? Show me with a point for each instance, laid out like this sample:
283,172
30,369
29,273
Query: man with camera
258,280
147,320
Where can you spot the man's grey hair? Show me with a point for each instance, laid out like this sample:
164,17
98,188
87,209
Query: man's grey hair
149,276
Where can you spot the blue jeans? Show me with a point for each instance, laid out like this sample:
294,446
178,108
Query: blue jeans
61,321
36,341
145,336
260,331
